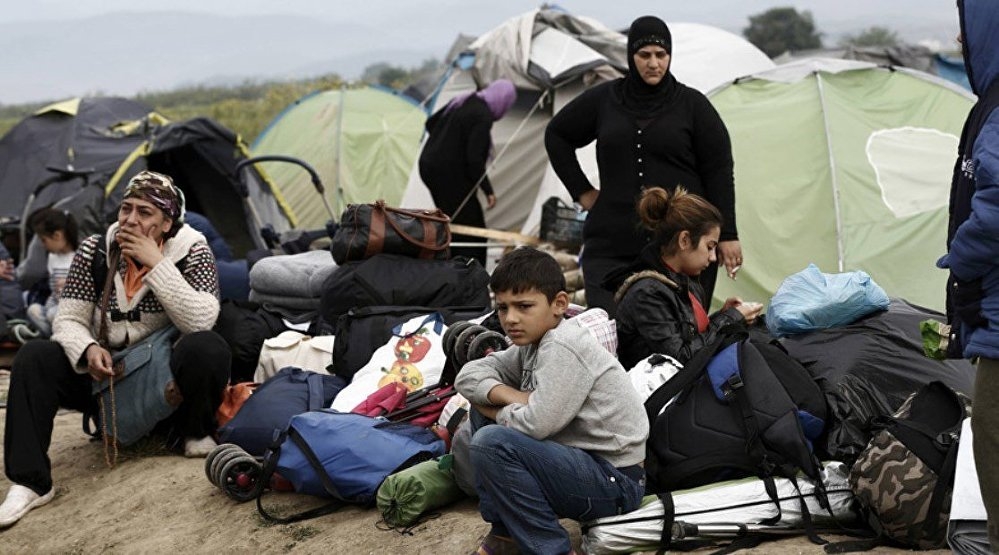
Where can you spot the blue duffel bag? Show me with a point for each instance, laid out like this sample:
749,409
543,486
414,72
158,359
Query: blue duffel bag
344,456
266,413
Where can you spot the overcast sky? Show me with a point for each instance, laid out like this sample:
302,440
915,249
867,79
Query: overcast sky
448,17
40,61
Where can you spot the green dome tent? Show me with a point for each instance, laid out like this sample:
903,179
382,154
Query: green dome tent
845,164
362,142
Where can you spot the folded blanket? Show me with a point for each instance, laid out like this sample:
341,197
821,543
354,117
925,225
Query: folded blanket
283,301
292,275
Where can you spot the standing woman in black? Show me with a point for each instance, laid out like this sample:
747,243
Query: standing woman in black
454,157
651,131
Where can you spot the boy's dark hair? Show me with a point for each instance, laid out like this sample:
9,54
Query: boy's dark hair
47,221
527,268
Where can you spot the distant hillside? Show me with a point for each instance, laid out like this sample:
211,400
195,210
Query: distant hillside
126,53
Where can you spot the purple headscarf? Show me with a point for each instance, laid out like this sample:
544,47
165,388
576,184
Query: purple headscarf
499,96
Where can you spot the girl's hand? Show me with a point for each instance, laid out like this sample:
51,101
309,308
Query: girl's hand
732,302
750,311
7,269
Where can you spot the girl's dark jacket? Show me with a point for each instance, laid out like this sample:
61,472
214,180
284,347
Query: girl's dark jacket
655,314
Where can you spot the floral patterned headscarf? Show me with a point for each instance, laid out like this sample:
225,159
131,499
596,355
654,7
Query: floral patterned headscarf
159,190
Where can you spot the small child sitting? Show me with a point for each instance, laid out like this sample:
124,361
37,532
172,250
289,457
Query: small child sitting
57,230
558,430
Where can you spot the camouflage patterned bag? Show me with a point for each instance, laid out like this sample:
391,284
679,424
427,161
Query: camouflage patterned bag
905,476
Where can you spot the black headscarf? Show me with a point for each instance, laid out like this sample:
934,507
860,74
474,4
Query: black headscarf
636,96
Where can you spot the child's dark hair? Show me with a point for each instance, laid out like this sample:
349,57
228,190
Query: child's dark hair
666,215
526,268
47,221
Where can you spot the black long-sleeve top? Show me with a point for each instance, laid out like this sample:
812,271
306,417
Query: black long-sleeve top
457,149
686,144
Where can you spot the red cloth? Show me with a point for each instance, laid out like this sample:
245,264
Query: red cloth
388,398
700,315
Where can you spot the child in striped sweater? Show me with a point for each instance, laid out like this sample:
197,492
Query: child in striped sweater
57,230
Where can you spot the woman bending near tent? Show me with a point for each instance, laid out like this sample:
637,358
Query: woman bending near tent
661,307
454,157
161,273
649,129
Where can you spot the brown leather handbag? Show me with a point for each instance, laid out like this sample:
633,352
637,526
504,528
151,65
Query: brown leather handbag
369,229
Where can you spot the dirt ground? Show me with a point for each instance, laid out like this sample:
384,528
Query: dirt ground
156,503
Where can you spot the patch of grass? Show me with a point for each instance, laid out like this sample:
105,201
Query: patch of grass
263,522
301,533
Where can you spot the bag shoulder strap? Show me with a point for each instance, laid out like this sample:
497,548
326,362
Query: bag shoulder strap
691,371
102,332
271,465
316,390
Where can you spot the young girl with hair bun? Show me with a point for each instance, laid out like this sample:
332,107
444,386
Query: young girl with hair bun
660,308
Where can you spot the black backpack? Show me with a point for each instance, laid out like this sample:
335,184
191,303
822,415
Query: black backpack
740,407
396,280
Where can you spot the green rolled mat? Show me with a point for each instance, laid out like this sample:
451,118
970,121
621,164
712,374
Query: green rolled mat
406,495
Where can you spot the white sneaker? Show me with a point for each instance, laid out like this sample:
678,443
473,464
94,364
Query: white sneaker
199,447
19,501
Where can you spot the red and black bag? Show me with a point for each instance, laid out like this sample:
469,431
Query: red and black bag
369,229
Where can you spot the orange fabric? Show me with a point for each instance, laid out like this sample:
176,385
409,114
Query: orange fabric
133,277
233,398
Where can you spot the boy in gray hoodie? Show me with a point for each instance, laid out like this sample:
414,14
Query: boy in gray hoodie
559,432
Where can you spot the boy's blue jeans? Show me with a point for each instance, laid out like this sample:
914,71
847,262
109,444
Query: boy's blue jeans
525,486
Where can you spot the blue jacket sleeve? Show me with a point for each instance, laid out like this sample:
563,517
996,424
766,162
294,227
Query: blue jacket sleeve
975,247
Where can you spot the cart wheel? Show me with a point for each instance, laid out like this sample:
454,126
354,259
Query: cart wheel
239,478
462,342
219,449
451,334
486,342
220,462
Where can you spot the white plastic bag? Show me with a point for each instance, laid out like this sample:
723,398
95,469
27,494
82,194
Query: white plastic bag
651,372
413,356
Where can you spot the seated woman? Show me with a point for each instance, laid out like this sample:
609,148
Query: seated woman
165,275
660,308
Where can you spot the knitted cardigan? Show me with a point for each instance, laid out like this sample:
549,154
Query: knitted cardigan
189,299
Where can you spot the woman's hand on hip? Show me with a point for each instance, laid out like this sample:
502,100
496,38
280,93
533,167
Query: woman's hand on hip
589,198
490,201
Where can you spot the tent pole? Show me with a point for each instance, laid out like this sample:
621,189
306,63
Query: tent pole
840,256
338,170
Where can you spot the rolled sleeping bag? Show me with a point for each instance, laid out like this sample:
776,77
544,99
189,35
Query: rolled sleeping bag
426,486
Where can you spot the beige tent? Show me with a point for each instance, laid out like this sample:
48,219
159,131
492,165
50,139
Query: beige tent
552,56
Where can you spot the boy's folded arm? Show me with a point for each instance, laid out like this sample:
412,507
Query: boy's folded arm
502,395
478,377
560,393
